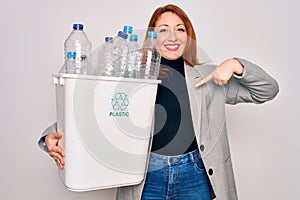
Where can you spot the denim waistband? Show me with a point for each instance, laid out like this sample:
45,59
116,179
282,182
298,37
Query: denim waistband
174,160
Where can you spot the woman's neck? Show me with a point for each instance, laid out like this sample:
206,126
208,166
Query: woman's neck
177,64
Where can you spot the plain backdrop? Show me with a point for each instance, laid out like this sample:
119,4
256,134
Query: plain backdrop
265,140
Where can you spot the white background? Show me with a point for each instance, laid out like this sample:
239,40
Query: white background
264,139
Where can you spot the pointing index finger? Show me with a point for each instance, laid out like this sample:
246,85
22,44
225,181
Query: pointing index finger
204,80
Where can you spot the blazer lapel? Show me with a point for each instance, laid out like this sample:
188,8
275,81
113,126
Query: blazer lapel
192,76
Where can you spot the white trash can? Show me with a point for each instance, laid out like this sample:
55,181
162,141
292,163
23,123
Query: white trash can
106,124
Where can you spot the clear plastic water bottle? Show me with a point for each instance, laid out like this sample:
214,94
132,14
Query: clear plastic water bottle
105,59
79,43
86,67
134,57
151,58
120,51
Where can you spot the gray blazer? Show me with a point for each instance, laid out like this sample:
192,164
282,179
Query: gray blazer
208,114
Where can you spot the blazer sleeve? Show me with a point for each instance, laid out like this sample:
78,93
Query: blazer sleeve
51,129
254,85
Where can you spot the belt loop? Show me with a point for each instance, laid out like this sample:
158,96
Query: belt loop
170,160
192,156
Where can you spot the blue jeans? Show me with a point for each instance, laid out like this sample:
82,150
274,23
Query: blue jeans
180,177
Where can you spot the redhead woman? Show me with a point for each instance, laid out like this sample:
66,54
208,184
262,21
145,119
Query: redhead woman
190,155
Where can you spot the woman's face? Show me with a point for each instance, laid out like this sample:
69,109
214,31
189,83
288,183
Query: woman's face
171,36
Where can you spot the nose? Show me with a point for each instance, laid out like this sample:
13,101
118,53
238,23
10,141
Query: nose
172,36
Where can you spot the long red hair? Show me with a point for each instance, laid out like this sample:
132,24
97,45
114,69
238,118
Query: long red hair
190,53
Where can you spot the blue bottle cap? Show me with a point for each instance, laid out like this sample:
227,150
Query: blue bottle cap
152,34
71,54
77,26
133,37
109,39
127,29
122,35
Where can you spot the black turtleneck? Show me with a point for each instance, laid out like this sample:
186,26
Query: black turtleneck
173,130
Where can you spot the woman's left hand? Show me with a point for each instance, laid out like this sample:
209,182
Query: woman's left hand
223,72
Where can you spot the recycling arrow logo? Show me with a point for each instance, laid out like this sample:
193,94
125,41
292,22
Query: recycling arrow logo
120,101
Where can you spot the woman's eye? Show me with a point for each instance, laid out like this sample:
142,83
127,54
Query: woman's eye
163,30
181,30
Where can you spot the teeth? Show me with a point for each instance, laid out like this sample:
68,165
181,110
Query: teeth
172,46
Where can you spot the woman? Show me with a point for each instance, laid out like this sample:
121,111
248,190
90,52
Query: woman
190,156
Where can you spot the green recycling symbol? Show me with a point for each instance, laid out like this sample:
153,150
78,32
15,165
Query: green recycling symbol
120,101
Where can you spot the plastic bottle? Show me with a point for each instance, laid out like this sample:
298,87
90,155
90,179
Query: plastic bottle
79,43
134,57
120,51
150,58
105,59
86,67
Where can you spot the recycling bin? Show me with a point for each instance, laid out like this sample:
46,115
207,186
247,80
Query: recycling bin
107,124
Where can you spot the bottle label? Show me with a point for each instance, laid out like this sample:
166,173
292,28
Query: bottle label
78,56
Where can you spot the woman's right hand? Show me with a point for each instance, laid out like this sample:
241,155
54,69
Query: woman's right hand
55,151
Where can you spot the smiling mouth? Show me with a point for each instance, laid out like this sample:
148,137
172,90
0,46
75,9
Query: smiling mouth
172,47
